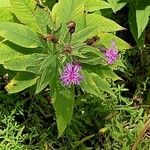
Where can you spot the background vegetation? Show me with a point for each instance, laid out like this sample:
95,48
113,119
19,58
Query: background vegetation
116,117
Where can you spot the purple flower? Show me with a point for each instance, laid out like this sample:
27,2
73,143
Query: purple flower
111,54
71,74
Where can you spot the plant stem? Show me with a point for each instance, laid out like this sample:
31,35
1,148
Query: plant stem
141,134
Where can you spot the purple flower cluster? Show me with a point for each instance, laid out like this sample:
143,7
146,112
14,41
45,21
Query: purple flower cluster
111,54
71,74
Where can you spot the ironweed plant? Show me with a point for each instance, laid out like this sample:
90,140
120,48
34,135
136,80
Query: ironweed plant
61,48
68,50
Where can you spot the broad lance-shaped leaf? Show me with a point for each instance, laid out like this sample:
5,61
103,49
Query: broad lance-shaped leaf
20,35
89,55
7,53
20,82
142,15
103,24
81,36
97,83
138,11
4,3
5,14
24,10
104,71
107,38
23,62
89,85
93,5
102,84
63,103
69,10
48,69
117,4
43,19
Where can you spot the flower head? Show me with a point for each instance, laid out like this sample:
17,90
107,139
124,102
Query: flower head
71,74
111,54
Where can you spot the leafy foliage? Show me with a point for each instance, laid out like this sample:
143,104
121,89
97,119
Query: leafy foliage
37,40
43,65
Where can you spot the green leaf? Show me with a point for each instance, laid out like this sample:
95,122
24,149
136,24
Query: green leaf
93,5
63,103
107,38
82,35
4,3
138,11
117,4
69,10
23,62
5,14
89,85
132,19
102,24
102,84
20,82
103,71
19,34
7,53
43,19
24,10
142,15
119,63
89,55
49,68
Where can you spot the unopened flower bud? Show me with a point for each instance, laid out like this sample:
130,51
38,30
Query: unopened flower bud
71,26
92,41
51,38
67,49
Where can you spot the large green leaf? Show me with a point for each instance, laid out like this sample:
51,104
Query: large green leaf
81,36
90,86
4,3
20,82
5,14
102,84
69,10
107,38
63,103
104,71
117,4
49,71
89,55
93,5
7,53
142,15
132,19
138,11
103,24
19,34
43,19
24,10
23,62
